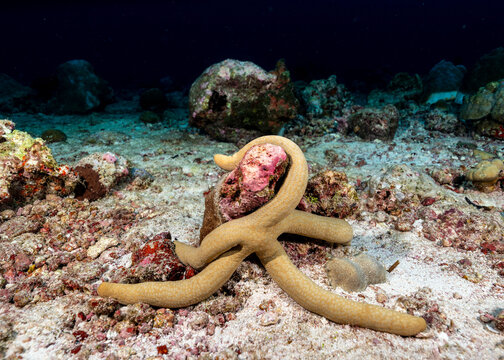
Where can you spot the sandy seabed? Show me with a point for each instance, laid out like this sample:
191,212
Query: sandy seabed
181,163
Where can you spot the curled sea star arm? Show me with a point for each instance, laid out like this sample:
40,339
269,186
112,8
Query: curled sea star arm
292,189
217,242
340,310
174,294
317,227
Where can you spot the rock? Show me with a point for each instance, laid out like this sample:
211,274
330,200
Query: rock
402,88
374,123
107,137
246,188
325,98
490,67
53,135
483,102
329,194
79,90
28,170
12,94
100,173
443,82
239,96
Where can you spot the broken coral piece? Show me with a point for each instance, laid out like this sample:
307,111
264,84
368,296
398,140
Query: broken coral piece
486,175
28,170
356,273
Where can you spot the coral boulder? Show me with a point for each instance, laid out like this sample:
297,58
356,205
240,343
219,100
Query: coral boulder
238,97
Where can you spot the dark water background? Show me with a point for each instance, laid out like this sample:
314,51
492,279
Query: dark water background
135,43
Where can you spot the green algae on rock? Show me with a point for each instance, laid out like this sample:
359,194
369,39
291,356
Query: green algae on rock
28,170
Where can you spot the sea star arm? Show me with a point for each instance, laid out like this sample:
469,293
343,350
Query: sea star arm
312,297
174,294
217,242
292,188
317,227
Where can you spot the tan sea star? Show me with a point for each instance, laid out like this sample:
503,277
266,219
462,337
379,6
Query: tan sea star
222,250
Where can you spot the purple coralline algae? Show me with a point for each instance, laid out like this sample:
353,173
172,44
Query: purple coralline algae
28,170
375,123
155,260
79,90
232,99
246,188
99,172
329,194
402,88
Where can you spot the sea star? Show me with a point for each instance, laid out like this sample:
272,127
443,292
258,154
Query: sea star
222,250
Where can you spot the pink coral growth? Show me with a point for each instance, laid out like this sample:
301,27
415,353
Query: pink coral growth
252,183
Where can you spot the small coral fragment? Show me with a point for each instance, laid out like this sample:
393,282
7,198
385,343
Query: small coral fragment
356,273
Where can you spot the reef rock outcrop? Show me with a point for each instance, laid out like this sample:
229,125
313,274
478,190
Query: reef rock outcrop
486,108
375,123
234,99
28,170
79,90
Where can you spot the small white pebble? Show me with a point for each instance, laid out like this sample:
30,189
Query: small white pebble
269,318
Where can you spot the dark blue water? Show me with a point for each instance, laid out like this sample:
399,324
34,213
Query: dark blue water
135,43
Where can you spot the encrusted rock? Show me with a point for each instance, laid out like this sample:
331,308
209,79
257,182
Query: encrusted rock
325,98
246,188
100,172
329,194
488,101
154,261
237,95
441,121
486,174
375,123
